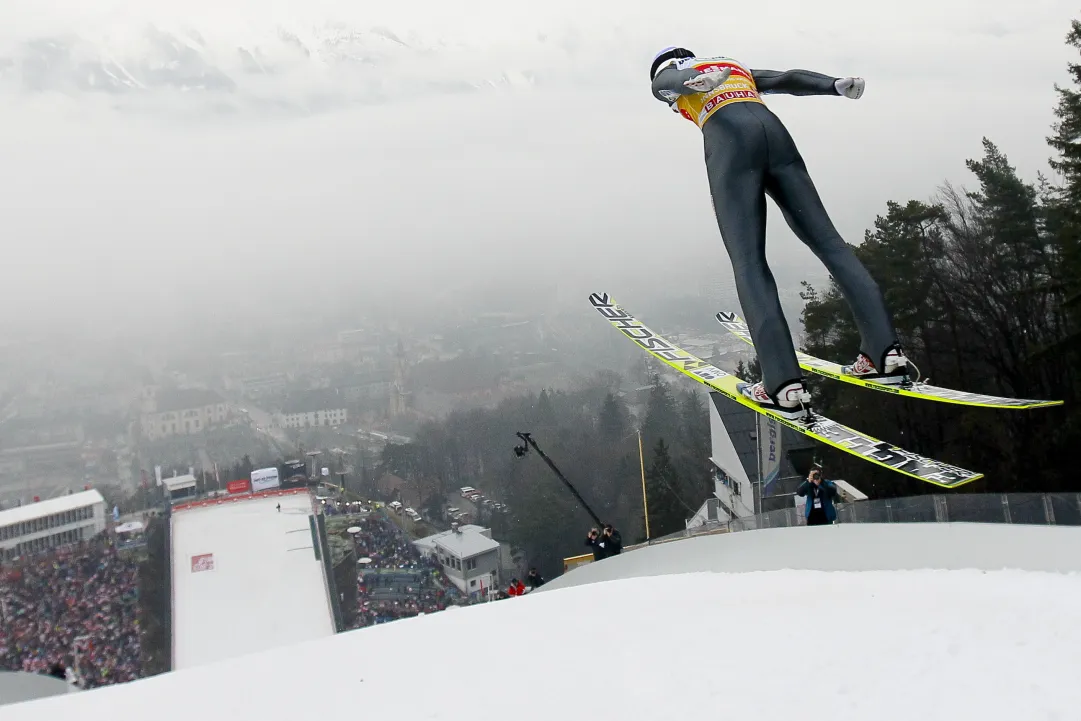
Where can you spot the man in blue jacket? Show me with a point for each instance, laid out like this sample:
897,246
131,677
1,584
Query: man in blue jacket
820,495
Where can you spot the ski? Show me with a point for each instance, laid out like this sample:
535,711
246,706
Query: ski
735,325
816,426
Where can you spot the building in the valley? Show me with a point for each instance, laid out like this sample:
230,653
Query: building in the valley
182,411
365,386
179,488
264,384
52,523
40,447
469,556
313,409
399,397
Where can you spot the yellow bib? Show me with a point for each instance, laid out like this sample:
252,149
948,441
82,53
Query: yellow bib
738,88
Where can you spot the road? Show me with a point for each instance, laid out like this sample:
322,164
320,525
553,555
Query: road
263,421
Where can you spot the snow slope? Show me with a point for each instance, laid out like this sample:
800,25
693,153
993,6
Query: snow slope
849,547
888,646
265,589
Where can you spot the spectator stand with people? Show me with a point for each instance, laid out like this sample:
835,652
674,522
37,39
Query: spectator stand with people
76,609
396,581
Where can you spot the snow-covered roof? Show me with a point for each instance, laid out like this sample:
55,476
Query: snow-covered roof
48,507
428,542
466,543
177,483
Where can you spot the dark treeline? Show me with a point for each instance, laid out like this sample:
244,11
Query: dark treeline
983,284
155,599
592,436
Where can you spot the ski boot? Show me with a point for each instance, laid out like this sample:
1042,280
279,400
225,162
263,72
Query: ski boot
792,400
894,367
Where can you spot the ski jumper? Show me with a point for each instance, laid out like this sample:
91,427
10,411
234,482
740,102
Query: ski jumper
749,155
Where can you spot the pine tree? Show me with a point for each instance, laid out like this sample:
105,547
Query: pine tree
662,416
754,370
545,412
666,512
612,420
715,354
1063,202
696,446
998,268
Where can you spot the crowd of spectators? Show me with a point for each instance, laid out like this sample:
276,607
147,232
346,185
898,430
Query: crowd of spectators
74,608
394,580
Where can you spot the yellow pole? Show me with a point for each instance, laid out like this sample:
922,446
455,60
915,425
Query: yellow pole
642,462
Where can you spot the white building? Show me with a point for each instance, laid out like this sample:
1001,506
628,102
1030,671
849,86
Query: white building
182,412
469,556
313,409
259,386
51,524
180,487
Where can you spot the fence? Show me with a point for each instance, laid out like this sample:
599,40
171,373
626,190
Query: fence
322,548
1060,509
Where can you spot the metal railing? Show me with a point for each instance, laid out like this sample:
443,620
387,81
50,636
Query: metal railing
1058,509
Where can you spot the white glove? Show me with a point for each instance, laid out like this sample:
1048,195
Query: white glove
708,82
850,87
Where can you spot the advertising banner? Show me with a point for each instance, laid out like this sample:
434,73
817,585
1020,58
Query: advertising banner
769,431
264,478
241,486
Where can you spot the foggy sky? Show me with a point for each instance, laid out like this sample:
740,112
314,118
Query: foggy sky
376,153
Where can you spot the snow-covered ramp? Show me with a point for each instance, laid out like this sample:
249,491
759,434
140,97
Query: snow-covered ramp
888,646
245,578
848,547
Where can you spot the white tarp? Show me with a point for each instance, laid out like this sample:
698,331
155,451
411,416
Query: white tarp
264,478
723,452
130,527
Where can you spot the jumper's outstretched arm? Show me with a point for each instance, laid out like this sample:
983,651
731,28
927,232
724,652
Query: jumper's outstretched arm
794,82
669,83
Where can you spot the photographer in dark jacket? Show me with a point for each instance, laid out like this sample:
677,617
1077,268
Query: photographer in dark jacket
820,495
613,541
596,542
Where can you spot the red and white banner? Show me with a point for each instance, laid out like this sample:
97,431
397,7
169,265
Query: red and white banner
202,562
238,498
241,486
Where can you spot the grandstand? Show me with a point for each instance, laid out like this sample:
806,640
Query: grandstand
49,524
